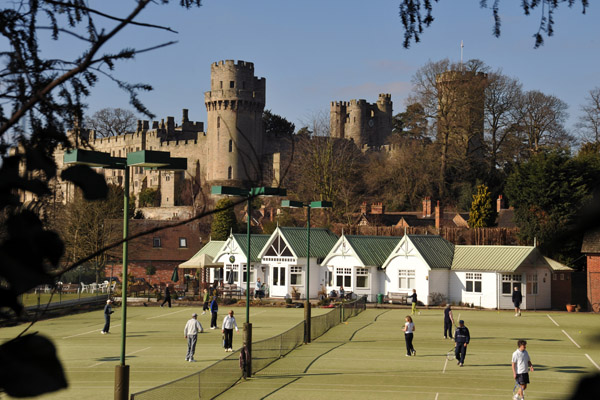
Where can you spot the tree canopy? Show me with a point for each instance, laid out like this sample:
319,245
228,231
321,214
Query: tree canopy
224,221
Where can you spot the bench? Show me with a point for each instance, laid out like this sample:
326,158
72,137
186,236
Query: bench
69,288
397,297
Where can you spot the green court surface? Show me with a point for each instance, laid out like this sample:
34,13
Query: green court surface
365,359
155,348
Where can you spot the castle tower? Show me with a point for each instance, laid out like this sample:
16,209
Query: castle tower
367,124
234,105
461,99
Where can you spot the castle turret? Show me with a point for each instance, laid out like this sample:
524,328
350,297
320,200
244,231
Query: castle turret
234,105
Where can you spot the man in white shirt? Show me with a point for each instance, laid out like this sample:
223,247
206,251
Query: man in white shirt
520,365
227,329
190,332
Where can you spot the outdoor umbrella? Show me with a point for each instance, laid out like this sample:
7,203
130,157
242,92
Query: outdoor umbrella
175,276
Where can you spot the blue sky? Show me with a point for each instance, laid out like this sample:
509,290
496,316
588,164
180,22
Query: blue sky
312,52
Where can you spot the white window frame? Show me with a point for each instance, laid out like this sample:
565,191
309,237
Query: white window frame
472,279
408,275
362,273
513,279
531,284
232,273
182,242
244,272
278,276
296,275
343,277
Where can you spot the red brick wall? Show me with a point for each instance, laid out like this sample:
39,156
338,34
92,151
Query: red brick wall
593,279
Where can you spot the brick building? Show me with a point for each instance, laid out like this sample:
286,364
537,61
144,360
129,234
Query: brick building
161,251
591,248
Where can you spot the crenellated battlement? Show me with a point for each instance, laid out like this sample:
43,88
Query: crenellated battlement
231,63
385,97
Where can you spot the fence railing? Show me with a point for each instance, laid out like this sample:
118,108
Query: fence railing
222,375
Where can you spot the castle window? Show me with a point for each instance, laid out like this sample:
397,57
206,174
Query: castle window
243,85
231,84
230,145
156,242
218,122
229,172
221,84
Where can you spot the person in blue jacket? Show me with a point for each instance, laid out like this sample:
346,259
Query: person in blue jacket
461,340
214,309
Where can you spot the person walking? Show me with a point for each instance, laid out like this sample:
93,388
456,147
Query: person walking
205,298
413,300
258,293
167,296
107,311
214,309
461,340
521,363
409,328
190,332
448,322
517,298
227,329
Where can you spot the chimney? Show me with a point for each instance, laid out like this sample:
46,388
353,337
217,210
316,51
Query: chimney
499,203
184,117
426,207
439,215
377,208
363,207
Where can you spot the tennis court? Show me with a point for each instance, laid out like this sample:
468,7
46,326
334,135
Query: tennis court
365,359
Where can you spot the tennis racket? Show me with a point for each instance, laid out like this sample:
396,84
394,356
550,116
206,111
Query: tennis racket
451,355
516,389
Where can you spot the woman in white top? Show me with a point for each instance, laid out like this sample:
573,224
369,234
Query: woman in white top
227,329
409,328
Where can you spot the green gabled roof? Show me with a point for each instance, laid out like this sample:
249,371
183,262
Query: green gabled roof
373,250
257,242
321,240
490,258
435,250
210,249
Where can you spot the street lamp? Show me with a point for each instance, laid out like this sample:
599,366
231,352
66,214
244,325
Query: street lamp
249,194
159,160
313,204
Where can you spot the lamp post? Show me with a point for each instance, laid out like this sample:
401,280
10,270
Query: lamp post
159,160
249,194
313,204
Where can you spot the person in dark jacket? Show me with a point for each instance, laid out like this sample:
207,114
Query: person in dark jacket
214,309
167,296
517,298
107,311
413,300
448,322
461,340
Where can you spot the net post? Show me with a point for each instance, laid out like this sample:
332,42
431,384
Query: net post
121,382
248,344
307,323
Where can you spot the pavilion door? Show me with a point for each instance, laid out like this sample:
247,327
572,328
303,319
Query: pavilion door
279,281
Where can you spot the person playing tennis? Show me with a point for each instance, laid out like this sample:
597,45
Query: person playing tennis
409,328
521,363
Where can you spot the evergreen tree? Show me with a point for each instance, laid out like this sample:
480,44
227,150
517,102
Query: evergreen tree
224,221
482,214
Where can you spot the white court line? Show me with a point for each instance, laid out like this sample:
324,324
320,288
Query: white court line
133,352
444,370
162,315
436,396
592,361
88,332
574,342
555,323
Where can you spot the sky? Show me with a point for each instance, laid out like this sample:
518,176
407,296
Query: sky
312,52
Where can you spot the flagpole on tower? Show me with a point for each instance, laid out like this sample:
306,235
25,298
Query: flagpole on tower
461,54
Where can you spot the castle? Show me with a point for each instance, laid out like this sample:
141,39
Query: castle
234,149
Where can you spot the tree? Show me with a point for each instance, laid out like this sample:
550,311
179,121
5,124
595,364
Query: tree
412,122
589,122
42,96
414,22
541,121
276,125
224,221
548,191
85,227
111,122
483,213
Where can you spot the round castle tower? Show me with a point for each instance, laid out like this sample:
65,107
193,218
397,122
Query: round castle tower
234,105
